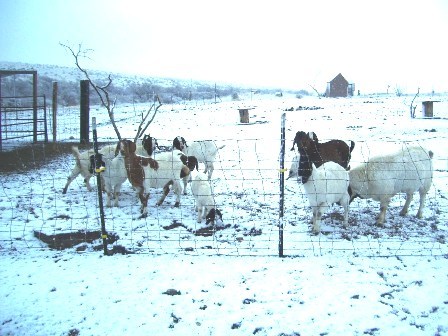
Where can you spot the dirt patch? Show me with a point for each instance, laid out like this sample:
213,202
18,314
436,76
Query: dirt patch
204,232
61,241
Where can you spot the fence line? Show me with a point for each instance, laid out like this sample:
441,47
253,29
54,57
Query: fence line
246,185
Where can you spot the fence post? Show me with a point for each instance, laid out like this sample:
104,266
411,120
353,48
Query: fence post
282,186
54,107
84,111
34,106
98,171
1,104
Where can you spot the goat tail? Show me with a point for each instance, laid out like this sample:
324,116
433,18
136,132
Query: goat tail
220,147
76,155
352,145
431,154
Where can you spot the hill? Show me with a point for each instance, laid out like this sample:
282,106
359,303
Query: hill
126,88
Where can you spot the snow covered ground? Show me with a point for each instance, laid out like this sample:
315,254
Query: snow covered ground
359,280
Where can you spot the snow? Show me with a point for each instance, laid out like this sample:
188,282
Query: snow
360,280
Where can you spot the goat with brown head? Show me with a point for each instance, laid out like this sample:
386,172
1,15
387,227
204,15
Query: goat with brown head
312,151
135,169
149,144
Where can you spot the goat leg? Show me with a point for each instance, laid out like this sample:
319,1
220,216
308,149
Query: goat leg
409,197
144,201
166,190
422,204
382,216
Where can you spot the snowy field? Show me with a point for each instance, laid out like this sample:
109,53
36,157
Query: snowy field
360,280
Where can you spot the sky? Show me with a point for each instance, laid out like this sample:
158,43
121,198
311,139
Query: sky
287,44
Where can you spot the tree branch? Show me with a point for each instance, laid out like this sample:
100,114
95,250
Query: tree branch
141,130
101,91
103,94
412,103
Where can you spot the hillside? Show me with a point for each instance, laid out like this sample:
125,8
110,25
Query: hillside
126,88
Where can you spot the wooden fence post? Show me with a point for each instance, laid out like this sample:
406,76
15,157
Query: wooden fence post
54,107
84,111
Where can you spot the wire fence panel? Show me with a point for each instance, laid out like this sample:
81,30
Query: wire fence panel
35,214
18,122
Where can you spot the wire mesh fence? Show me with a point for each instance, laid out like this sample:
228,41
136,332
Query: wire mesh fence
36,215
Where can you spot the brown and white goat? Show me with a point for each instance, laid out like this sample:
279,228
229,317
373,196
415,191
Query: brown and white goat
312,151
149,144
145,173
190,164
137,168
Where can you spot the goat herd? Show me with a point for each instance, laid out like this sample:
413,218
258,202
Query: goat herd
136,163
323,169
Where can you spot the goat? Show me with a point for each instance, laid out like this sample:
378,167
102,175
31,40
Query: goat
82,164
326,185
137,169
179,143
204,150
114,176
205,202
145,173
191,163
82,160
382,177
318,153
149,145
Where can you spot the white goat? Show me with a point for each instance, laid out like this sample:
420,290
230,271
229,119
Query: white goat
82,164
204,150
382,177
114,176
205,202
326,185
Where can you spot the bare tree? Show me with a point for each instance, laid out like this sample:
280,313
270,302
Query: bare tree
412,108
315,90
103,94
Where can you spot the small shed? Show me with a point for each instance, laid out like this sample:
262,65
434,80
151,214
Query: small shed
339,87
428,109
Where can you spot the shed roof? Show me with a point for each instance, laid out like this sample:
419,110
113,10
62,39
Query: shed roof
339,77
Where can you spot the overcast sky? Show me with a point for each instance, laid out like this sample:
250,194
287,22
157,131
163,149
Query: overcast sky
289,44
